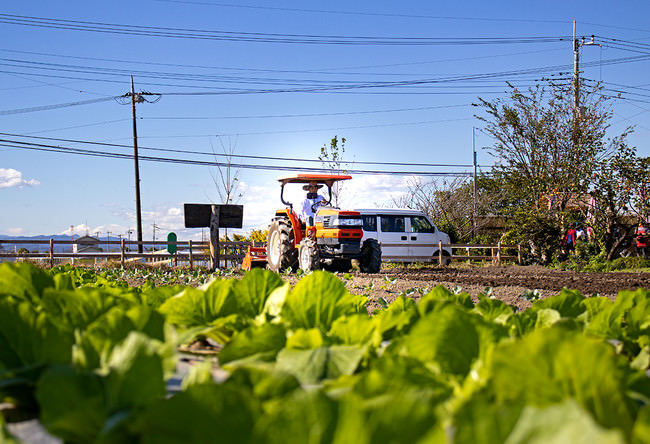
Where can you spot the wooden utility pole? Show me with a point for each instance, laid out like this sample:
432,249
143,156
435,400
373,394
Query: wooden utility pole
577,44
138,212
474,206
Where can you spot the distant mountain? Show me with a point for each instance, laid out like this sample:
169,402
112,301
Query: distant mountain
45,247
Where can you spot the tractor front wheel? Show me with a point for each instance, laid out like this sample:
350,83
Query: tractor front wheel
308,257
280,251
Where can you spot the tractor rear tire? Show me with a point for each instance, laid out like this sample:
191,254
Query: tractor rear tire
308,255
370,260
281,254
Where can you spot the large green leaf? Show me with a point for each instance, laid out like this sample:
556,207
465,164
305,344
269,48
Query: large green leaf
482,421
641,432
313,366
398,318
195,307
551,365
24,281
306,417
95,343
493,309
439,294
561,423
355,329
253,290
135,373
5,436
204,413
319,299
79,308
72,404
568,303
637,318
264,341
447,337
264,382
28,336
405,416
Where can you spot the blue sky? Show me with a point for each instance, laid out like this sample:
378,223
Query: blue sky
268,81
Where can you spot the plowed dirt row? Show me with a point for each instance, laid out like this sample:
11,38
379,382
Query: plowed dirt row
507,283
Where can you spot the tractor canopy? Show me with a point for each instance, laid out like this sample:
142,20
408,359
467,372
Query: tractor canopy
327,179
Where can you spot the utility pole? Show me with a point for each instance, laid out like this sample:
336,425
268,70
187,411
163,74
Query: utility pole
138,212
474,164
108,239
155,227
134,98
577,44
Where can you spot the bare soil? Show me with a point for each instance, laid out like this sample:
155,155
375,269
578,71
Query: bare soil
506,283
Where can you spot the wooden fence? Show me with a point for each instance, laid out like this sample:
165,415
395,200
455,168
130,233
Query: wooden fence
195,253
188,252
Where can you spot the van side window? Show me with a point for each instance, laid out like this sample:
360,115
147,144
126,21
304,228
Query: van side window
392,224
420,224
369,223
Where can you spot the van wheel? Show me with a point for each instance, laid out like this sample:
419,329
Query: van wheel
370,260
446,258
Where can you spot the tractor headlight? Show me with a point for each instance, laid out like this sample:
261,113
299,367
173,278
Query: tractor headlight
347,222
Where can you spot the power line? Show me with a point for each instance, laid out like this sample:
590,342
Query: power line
78,151
361,13
185,33
238,156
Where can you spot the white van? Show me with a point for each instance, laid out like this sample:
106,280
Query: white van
404,235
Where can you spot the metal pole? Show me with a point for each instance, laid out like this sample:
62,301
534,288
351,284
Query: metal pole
138,212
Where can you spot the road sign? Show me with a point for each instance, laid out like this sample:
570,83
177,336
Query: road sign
171,247
200,215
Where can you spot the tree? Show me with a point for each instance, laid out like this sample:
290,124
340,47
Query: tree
619,198
226,178
547,152
332,158
450,203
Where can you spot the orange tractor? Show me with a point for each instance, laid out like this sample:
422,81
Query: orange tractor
331,241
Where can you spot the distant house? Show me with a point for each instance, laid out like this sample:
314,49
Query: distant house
86,244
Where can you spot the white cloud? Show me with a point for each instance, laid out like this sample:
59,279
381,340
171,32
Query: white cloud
10,178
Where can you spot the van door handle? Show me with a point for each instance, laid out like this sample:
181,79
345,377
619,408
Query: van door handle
403,237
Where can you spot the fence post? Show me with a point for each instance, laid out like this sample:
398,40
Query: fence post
519,254
191,257
469,261
440,253
122,252
499,253
51,253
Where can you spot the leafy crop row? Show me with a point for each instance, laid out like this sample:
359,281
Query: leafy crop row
92,357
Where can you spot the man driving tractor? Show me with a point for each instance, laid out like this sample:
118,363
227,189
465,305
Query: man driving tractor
320,236
310,203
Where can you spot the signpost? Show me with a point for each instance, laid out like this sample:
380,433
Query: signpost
171,246
215,217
